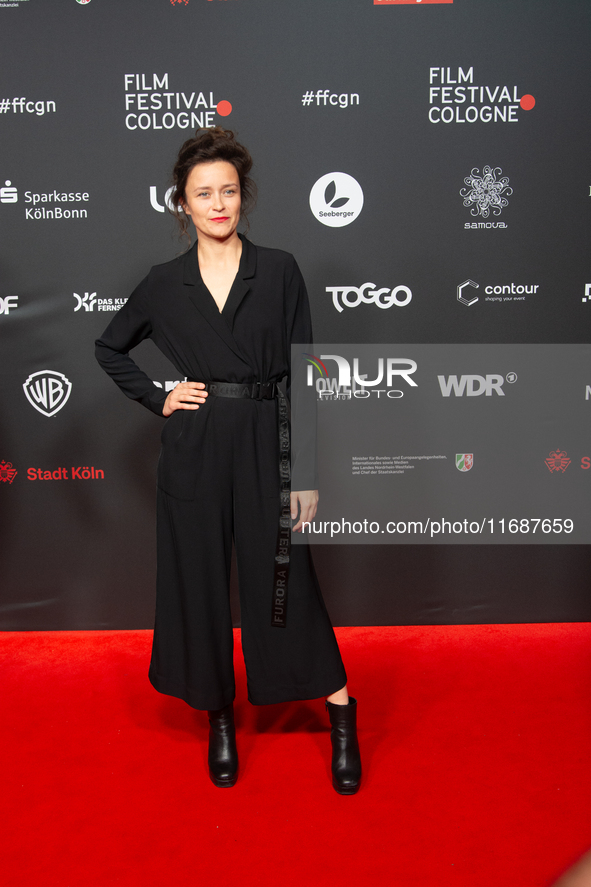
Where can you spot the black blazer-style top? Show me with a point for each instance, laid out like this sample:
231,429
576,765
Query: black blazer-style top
266,311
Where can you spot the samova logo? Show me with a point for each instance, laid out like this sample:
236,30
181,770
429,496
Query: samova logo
47,391
474,386
336,199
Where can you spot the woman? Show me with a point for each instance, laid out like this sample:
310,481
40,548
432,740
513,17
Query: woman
225,314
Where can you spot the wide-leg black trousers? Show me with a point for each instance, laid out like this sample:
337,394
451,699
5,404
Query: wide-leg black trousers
237,495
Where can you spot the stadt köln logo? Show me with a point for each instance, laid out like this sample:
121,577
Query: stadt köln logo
486,193
557,461
47,391
464,461
7,472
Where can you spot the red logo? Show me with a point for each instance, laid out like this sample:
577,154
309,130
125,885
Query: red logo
179,1
557,461
7,472
414,2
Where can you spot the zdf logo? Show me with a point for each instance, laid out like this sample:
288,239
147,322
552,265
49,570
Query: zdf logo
336,199
7,303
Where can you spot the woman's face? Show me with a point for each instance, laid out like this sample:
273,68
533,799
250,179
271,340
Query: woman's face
212,199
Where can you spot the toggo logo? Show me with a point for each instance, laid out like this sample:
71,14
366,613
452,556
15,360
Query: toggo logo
474,386
355,384
352,296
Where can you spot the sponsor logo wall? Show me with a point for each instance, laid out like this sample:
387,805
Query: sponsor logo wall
433,190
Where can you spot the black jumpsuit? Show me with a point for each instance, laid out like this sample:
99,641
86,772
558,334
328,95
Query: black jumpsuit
218,478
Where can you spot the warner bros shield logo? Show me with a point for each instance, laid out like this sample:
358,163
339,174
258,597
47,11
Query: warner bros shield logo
464,461
47,391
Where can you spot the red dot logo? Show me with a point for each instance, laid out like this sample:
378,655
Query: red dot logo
527,102
224,108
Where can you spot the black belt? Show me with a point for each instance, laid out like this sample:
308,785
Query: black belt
249,390
268,391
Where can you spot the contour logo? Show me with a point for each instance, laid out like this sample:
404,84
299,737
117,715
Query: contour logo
47,391
467,298
336,199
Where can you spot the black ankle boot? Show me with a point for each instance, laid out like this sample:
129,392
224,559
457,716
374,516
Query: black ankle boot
222,757
346,763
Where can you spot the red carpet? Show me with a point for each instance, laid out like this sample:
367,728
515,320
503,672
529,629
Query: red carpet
476,743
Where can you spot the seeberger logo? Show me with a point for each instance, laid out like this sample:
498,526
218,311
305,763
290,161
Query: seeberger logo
47,391
336,199
352,296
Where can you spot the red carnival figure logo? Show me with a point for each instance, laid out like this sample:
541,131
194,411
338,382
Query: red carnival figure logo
7,472
557,461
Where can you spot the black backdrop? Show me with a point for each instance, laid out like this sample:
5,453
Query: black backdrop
314,88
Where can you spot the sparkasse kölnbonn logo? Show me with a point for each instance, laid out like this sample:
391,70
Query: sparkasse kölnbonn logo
336,199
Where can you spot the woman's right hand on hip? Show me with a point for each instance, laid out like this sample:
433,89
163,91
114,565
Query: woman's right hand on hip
185,396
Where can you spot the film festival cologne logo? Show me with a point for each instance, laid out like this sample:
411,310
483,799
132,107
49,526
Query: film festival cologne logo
455,98
151,103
